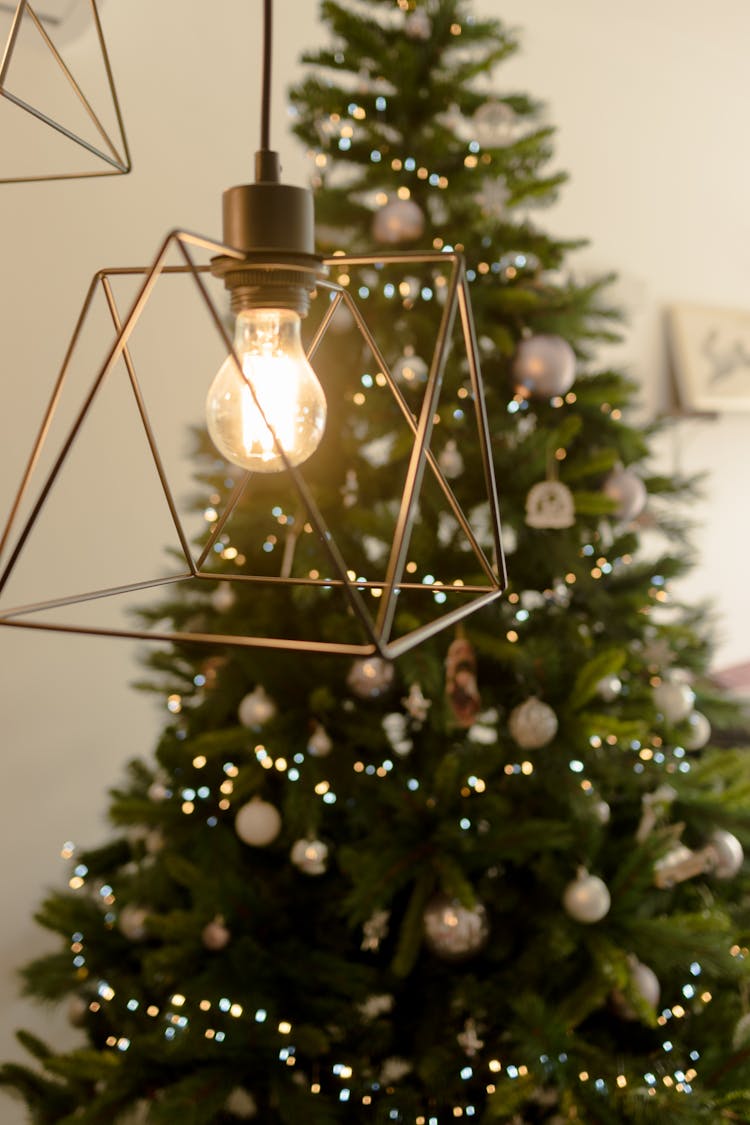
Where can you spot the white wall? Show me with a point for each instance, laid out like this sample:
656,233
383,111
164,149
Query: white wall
650,100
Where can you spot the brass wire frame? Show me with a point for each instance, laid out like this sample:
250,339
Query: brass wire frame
377,630
118,161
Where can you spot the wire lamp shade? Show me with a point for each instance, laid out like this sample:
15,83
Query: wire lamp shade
60,126
434,553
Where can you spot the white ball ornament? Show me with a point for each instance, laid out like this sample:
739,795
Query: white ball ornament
532,724
223,597
257,823
399,220
544,366
319,744
450,460
417,25
628,492
741,1036
241,1103
586,899
411,368
370,677
675,699
453,931
157,790
645,982
494,124
726,854
602,812
699,731
256,708
215,935
609,688
310,856
131,922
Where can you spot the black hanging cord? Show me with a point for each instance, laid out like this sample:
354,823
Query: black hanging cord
265,112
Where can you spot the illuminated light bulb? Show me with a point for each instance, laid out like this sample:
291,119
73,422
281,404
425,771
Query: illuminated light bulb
290,400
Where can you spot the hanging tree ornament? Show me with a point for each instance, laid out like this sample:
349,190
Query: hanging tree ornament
609,688
674,698
241,1103
411,368
699,731
644,983
655,807
309,856
418,25
532,724
215,935
416,704
256,708
374,930
396,729
370,678
544,366
450,460
495,124
398,220
319,743
726,855
628,492
550,503
586,899
454,931
257,823
461,689
132,922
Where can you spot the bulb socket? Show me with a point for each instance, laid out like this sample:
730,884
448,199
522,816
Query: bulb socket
273,226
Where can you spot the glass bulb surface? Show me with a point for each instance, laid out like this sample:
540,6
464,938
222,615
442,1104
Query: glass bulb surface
288,401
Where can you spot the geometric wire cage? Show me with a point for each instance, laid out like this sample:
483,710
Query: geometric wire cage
112,155
372,606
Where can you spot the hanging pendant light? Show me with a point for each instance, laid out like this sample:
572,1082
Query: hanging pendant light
265,412
93,124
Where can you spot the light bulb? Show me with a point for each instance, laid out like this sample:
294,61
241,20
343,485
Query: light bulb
268,344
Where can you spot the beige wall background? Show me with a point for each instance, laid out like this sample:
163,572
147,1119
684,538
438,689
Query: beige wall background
650,101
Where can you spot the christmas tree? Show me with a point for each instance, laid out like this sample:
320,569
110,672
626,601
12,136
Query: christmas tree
501,877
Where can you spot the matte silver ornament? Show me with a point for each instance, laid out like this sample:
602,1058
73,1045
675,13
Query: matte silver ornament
256,708
131,922
215,935
628,491
674,699
532,724
370,677
544,366
399,220
726,854
453,931
310,856
257,823
699,731
586,899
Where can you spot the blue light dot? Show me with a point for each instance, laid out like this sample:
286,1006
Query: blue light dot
188,794
212,822
105,891
458,414
277,511
513,406
466,1073
261,1015
268,547
638,767
471,275
679,752
410,164
650,1079
375,156
667,1045
344,1095
170,1033
694,1056
329,798
79,961
380,103
576,766
366,380
293,774
474,146
370,770
220,1036
696,969
659,757
684,767
345,144
133,1005
600,1084
412,784
364,292
199,680
427,294
204,792
588,550
688,991
428,580
440,597
512,1071
81,870
225,1004
464,823
522,615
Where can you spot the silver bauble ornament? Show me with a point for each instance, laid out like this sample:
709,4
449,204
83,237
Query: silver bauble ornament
215,935
586,898
411,368
628,492
77,1009
450,460
699,731
494,124
602,812
532,724
399,220
550,504
453,931
674,699
609,687
131,922
726,854
241,1103
319,744
544,366
257,823
223,597
645,982
310,856
741,1035
256,708
157,790
369,677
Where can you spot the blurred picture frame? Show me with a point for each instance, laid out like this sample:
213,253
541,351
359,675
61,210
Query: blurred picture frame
709,350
